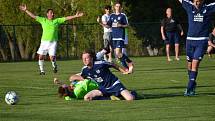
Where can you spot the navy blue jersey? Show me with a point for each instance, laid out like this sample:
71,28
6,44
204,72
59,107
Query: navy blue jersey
199,20
100,73
118,33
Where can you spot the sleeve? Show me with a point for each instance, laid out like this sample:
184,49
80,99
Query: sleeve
124,20
210,37
40,19
83,73
104,18
163,22
108,64
211,7
187,5
109,22
61,20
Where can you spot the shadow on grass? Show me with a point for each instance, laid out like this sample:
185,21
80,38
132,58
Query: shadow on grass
167,95
205,68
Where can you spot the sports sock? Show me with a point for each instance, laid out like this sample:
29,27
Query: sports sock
100,54
124,51
192,80
41,65
54,64
123,60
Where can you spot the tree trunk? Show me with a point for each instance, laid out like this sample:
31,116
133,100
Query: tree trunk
3,54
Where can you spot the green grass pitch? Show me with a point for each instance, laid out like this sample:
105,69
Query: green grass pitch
159,84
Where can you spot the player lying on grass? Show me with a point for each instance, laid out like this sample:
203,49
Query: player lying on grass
78,88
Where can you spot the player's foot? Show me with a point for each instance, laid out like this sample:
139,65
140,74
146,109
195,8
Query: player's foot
134,93
189,93
177,59
42,73
169,59
209,55
114,97
55,69
56,81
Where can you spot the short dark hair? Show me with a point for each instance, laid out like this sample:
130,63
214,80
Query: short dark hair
90,52
50,9
108,7
65,91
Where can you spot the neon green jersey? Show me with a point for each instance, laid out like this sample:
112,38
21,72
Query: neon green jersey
50,28
83,87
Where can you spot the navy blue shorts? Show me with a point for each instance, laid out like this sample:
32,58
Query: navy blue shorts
113,90
118,44
195,49
172,38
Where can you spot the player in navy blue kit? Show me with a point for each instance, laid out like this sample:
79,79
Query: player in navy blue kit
108,83
199,15
118,22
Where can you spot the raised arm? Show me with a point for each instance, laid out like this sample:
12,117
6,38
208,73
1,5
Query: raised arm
24,8
77,15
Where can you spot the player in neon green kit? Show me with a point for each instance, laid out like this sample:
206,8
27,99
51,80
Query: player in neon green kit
77,89
50,35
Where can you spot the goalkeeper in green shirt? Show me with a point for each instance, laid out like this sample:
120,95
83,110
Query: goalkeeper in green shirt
78,88
50,35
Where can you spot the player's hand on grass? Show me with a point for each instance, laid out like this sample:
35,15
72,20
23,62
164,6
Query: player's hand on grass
56,81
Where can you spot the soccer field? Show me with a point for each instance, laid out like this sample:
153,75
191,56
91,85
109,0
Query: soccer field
160,86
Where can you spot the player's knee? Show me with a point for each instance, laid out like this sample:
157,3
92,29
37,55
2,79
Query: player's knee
130,97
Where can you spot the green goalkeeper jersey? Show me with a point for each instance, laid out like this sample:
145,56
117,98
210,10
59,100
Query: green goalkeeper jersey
50,28
83,87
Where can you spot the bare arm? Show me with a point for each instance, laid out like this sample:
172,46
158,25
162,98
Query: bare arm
180,1
103,24
24,8
180,27
162,33
120,25
123,71
77,15
76,77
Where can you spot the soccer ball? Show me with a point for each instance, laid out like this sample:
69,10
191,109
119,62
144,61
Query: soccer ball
11,98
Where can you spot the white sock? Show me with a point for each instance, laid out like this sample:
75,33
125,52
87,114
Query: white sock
124,51
41,64
54,64
100,54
